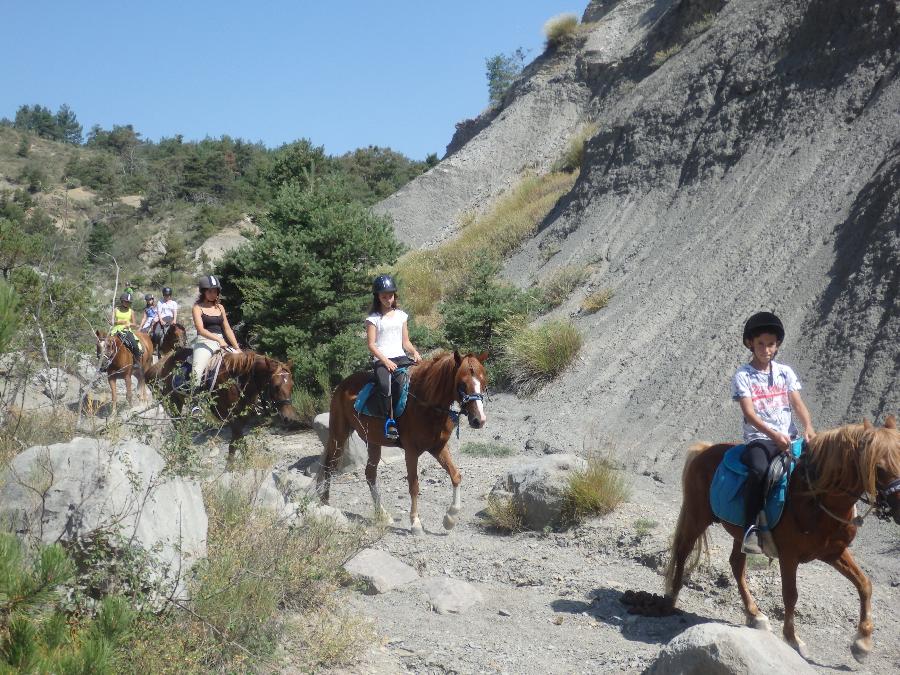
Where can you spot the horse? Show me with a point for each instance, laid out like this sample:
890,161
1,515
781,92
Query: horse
118,362
425,426
838,468
243,378
173,335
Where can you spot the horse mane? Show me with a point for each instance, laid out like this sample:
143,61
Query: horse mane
434,377
846,458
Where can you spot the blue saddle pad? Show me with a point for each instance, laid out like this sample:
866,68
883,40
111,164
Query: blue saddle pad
726,494
362,398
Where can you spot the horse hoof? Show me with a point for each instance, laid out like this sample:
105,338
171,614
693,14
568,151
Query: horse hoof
384,517
760,622
453,511
800,647
449,521
417,530
860,650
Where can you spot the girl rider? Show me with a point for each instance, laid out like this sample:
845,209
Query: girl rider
387,337
212,326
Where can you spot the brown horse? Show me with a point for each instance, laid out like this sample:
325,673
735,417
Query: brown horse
243,379
425,426
174,335
118,362
838,468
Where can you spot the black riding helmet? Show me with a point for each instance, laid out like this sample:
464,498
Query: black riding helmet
149,297
210,281
125,297
384,283
763,322
166,291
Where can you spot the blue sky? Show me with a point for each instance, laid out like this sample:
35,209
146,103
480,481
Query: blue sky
344,74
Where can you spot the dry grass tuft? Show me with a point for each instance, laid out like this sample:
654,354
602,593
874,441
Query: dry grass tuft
22,429
486,450
596,491
573,156
596,301
503,514
559,28
559,286
534,356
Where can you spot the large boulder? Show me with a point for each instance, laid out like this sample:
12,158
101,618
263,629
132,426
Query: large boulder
539,489
73,491
379,572
355,455
717,649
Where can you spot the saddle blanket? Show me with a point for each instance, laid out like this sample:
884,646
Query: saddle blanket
726,494
181,376
365,406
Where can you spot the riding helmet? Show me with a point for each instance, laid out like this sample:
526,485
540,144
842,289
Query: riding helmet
125,297
166,291
210,281
763,320
148,297
384,283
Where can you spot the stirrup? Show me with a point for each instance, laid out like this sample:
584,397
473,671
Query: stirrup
751,543
390,429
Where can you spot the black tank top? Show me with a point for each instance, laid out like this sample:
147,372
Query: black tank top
212,323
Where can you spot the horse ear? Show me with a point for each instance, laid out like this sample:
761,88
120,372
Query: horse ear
457,358
290,365
866,423
890,422
483,356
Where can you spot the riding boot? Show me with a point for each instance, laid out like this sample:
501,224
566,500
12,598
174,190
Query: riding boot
753,504
390,425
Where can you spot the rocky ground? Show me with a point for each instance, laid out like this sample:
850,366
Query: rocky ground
550,601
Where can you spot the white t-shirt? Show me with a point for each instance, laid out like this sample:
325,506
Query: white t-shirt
167,308
389,332
770,398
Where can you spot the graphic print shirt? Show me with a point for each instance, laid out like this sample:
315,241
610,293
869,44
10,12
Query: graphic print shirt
389,332
769,395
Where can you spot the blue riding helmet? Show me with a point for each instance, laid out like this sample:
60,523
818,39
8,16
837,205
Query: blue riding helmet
384,283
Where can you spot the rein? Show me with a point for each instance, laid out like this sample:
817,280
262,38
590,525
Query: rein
462,398
863,497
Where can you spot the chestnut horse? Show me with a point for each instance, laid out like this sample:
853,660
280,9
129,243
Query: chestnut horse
425,426
118,363
244,378
838,468
173,335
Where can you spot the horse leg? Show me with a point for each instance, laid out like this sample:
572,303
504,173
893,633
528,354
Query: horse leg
446,461
237,433
789,594
113,394
127,372
847,566
412,477
381,513
338,433
689,538
738,560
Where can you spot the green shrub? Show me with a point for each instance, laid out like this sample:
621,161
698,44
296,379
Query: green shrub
501,71
596,301
643,526
486,450
558,28
595,491
534,356
34,178
556,289
9,315
573,156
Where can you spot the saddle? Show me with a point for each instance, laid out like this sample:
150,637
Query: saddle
369,402
181,376
726,493
132,344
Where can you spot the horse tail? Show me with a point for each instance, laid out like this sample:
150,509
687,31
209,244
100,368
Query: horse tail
685,530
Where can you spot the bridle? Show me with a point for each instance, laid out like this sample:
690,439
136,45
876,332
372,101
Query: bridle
880,506
284,380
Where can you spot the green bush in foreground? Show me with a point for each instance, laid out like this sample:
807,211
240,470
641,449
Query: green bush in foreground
534,356
595,491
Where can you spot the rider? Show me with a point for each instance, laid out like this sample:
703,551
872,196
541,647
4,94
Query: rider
123,322
151,314
387,337
212,326
768,393
168,308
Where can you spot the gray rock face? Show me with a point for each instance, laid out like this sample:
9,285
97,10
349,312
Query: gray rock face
539,488
219,244
451,596
717,649
355,454
70,490
747,159
380,571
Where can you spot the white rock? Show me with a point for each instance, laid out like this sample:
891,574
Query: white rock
380,571
718,648
355,455
451,596
539,488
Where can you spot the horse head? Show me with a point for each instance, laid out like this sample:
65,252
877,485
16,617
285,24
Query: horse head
886,455
471,385
174,336
106,349
280,389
